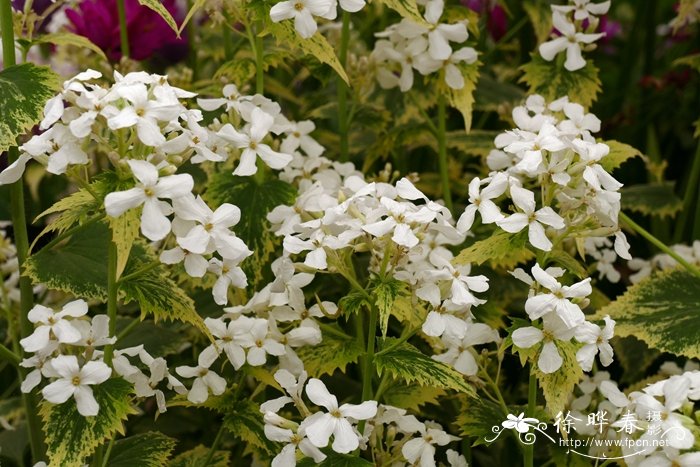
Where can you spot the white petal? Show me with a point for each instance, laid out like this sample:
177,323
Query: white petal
550,360
58,392
87,405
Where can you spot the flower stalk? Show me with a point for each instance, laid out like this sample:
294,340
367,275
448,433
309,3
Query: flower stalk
19,224
123,31
343,120
442,153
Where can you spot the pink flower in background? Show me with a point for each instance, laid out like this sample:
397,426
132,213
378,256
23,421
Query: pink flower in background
148,32
496,20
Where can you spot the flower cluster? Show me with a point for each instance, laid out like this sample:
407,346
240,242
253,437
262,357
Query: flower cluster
303,12
660,417
574,27
56,337
408,46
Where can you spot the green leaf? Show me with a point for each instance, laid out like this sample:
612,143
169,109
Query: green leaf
195,458
552,81
407,363
157,6
352,303
335,351
634,356
619,153
654,199
662,310
69,38
501,249
196,5
463,99
477,418
157,339
255,200
246,422
692,60
14,443
476,142
240,70
568,262
557,386
411,396
316,45
540,14
407,9
491,95
70,210
125,231
385,294
70,437
79,266
24,90
333,459
150,449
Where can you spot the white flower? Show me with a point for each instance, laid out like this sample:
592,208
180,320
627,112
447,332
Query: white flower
440,35
583,9
75,381
557,300
250,141
595,340
570,40
459,353
303,12
299,136
286,288
298,440
534,220
95,333
337,421
148,191
205,379
52,324
260,344
520,423
62,147
213,227
229,337
554,328
461,283
229,274
531,146
481,200
400,217
421,451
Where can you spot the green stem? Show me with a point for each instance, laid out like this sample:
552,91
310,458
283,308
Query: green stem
442,154
691,188
105,458
529,451
19,225
123,31
8,355
112,290
138,272
342,86
129,327
215,445
259,63
368,370
659,244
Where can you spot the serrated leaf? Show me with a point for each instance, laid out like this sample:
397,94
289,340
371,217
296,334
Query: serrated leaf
463,99
333,459
335,351
407,9
24,90
654,199
150,449
662,310
125,231
70,210
195,458
255,200
556,387
71,438
69,38
240,70
158,7
553,81
619,153
352,303
316,45
407,312
501,249
385,294
407,363
477,418
246,422
196,5
79,266
411,396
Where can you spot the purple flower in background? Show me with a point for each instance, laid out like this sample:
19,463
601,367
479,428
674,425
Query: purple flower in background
496,20
148,32
39,6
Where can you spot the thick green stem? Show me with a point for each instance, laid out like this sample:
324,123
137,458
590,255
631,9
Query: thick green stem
19,226
529,451
123,31
112,290
442,153
368,370
259,62
691,193
343,121
659,244
9,356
